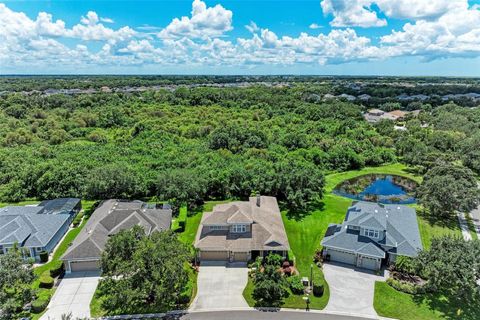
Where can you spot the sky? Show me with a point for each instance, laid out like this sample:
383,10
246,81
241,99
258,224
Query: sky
324,37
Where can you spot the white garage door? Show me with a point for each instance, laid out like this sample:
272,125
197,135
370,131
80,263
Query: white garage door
369,263
341,256
214,255
76,266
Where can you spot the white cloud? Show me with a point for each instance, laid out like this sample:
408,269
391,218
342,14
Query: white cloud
106,20
315,26
252,27
352,13
454,33
204,22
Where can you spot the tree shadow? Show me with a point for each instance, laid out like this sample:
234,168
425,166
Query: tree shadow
451,307
449,222
300,214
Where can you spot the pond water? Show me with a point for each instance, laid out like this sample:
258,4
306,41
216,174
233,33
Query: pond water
378,188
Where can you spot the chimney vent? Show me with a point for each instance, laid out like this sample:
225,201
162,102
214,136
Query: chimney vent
259,200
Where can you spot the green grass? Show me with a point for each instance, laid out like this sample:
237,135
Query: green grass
193,221
389,302
429,230
21,203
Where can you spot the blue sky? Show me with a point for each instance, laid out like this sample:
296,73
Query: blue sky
348,37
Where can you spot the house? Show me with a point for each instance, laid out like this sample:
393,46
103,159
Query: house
108,219
373,234
242,230
36,228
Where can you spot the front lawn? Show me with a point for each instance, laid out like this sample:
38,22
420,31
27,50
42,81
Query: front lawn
391,303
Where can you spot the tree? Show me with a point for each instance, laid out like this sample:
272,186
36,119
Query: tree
451,265
143,273
113,181
270,287
447,188
16,277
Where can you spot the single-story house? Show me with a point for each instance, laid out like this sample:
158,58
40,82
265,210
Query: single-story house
242,230
108,219
36,228
373,234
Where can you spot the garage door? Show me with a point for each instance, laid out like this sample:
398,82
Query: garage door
76,266
214,255
341,256
240,256
369,263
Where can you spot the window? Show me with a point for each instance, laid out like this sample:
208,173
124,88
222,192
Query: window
216,227
239,228
371,233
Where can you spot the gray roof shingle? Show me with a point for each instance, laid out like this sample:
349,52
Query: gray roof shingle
399,223
111,217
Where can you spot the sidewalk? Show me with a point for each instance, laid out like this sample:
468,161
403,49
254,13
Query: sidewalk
475,215
464,226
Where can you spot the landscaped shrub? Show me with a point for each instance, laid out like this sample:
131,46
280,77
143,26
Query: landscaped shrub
78,219
405,264
56,269
46,281
287,271
43,256
291,257
296,285
39,305
318,290
273,260
285,264
404,286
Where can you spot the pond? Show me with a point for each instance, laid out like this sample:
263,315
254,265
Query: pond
378,188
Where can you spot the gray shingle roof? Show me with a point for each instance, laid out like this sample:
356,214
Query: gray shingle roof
111,217
29,229
399,223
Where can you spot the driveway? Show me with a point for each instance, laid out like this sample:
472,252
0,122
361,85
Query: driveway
220,286
351,289
73,295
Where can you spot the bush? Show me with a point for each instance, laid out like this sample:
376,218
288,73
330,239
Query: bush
404,286
46,281
287,271
43,256
285,264
318,290
273,260
78,219
296,285
39,305
405,264
57,268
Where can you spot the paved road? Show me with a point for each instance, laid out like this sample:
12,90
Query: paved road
464,226
263,315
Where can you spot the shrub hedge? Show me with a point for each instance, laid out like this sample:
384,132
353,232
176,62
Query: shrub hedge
318,290
39,305
295,284
56,269
43,256
46,281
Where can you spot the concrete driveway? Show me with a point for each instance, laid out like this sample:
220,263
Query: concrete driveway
73,295
351,289
220,286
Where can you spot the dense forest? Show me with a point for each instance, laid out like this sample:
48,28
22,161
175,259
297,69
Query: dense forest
197,143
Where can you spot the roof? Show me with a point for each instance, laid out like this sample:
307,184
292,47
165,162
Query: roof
29,229
398,113
399,223
60,205
111,217
267,231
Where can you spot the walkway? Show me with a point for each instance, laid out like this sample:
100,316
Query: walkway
475,215
464,226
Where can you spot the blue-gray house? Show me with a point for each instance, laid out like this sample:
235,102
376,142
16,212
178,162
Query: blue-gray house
373,233
36,228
